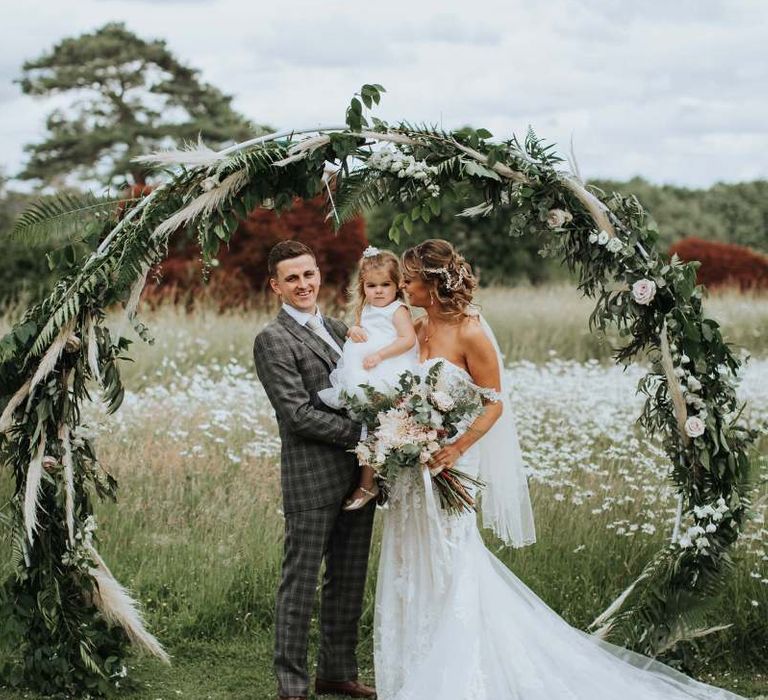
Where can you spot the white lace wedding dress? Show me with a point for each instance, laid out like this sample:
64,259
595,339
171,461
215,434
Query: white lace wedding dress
453,623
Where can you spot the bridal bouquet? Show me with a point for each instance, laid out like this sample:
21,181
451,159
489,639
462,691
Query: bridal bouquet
408,425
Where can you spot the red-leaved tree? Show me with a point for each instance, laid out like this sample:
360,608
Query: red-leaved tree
240,279
724,264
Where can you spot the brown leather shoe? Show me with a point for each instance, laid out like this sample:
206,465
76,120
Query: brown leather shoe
352,689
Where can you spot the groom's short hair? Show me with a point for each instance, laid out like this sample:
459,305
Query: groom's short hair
285,250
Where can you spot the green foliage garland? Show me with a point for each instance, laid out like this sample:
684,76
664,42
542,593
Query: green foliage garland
52,358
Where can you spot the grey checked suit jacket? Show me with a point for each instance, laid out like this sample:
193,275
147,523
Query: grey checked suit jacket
293,364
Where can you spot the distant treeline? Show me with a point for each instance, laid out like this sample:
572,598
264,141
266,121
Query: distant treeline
730,213
733,213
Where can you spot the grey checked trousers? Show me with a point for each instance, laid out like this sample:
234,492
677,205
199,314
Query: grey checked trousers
342,539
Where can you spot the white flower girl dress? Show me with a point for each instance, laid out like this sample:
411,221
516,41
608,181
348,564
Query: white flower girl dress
350,374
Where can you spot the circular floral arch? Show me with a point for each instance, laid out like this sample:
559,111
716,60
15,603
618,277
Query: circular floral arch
63,597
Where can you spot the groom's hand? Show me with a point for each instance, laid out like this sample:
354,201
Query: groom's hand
357,335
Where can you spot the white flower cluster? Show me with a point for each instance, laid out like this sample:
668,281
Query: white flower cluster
391,160
78,555
707,518
690,386
89,527
612,243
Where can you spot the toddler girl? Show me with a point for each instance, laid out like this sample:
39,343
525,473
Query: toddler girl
380,347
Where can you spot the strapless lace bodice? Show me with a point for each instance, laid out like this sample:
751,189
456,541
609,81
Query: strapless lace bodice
456,380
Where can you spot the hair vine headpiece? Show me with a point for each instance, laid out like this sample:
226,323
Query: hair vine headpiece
450,283
370,251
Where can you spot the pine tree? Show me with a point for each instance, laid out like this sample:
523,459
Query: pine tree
130,97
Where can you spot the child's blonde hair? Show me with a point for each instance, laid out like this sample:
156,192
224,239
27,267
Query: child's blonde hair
378,260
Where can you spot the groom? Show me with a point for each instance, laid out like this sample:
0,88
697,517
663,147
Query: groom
294,356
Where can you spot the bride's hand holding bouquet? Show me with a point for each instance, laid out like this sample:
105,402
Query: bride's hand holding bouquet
411,427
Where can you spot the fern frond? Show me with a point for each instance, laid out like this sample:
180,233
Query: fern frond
254,159
63,217
450,167
430,131
18,548
359,191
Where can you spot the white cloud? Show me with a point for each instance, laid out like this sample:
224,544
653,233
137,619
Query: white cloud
672,91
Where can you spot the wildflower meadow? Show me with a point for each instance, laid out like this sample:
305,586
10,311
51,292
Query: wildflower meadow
196,531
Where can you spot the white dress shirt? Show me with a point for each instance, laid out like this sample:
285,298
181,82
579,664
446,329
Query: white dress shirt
301,317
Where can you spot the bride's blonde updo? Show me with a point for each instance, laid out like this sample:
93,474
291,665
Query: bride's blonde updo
445,272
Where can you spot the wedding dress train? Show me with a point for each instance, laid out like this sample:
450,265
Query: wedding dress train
453,623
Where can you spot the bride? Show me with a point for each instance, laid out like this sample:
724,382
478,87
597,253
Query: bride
451,621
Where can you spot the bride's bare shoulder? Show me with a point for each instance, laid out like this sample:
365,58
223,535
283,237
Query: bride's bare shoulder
471,329
474,340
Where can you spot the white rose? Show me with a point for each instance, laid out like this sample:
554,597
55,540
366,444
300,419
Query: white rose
433,447
614,245
643,291
684,359
592,237
711,528
363,453
443,400
425,456
694,384
694,427
603,237
557,218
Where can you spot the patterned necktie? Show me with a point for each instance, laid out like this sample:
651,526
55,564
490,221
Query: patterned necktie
314,324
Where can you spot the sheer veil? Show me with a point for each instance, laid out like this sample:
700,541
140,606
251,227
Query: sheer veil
505,502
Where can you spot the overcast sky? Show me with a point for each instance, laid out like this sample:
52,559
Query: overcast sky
671,90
